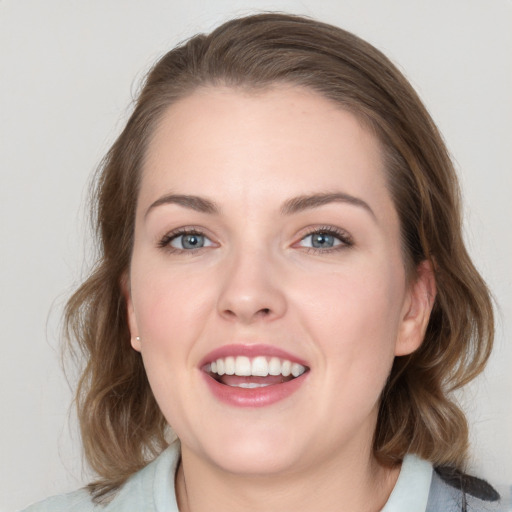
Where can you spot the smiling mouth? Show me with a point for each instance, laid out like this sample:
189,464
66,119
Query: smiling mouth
256,372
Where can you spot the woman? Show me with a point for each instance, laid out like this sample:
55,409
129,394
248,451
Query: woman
283,283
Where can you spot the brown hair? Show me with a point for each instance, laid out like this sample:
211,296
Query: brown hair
122,427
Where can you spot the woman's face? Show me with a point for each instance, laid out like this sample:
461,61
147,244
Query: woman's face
266,242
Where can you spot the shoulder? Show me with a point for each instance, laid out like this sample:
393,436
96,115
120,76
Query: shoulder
78,501
145,490
454,491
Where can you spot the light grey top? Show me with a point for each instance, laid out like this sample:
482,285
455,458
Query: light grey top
418,489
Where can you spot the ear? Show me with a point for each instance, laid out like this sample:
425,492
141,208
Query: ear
416,311
132,321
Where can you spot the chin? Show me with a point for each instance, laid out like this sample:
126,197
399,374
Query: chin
251,452
255,459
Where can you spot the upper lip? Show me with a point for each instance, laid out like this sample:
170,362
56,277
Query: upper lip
249,351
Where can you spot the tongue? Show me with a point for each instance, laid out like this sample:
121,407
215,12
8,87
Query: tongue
235,380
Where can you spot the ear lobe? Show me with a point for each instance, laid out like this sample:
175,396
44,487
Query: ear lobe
130,312
417,309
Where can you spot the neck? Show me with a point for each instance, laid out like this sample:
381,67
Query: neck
351,482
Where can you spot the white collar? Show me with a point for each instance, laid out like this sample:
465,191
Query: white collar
412,487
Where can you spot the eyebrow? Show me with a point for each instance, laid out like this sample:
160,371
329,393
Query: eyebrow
199,204
301,203
291,206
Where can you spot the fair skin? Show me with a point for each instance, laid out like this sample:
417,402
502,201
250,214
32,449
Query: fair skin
321,278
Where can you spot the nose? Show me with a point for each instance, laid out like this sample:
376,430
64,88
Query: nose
251,289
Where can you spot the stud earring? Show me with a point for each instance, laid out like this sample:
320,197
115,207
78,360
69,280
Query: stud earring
138,338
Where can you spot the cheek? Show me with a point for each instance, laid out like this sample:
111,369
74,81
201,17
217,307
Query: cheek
368,295
355,316
170,305
171,309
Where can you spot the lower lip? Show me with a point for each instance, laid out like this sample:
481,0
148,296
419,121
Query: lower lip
253,397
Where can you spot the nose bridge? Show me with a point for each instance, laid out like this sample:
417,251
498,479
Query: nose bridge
251,289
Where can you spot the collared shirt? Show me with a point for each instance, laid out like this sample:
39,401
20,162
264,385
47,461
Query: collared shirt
418,489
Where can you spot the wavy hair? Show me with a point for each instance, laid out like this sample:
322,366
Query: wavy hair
121,425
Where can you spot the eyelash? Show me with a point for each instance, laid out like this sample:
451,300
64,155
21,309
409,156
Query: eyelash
165,242
344,237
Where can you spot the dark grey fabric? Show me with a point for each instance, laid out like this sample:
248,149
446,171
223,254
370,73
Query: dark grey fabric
444,497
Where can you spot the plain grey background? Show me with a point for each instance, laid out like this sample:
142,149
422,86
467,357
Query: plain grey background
68,70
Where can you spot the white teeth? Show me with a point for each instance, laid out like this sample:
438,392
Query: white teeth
274,366
243,366
297,369
229,365
259,366
250,385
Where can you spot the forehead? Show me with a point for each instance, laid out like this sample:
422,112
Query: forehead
280,141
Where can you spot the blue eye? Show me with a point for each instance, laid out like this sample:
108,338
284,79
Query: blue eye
325,239
190,241
185,241
322,240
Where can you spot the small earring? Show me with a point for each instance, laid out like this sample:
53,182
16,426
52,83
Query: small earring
138,338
